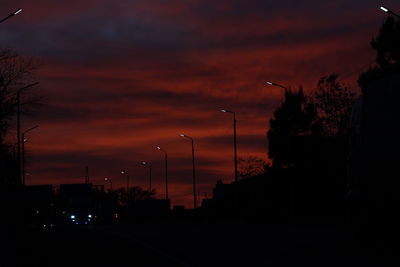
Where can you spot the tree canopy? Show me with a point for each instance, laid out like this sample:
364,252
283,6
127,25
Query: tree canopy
333,102
16,74
387,43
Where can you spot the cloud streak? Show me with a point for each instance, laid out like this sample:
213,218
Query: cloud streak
123,76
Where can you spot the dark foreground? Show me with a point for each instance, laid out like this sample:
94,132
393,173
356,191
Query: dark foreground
194,244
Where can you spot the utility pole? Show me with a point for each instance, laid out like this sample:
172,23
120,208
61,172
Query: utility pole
194,178
150,179
23,140
166,176
19,138
19,172
234,141
194,172
87,175
166,170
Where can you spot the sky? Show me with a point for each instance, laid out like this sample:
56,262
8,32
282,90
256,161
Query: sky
121,77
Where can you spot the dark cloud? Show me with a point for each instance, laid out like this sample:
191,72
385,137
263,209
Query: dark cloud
123,76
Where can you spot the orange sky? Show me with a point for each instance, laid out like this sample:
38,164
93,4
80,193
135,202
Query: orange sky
121,77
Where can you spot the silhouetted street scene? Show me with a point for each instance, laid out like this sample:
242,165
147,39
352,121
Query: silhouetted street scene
197,133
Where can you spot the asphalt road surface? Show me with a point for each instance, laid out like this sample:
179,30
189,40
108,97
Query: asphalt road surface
194,244
83,246
253,244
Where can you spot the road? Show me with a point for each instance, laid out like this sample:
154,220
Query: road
194,244
252,244
84,246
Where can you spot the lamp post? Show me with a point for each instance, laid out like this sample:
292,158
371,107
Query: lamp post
166,171
108,180
11,15
289,156
127,180
287,114
387,10
148,164
234,140
23,140
278,85
194,172
19,127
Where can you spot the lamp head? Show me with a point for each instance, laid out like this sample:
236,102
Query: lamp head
16,12
384,9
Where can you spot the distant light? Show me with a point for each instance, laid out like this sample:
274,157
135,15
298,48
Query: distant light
25,140
223,110
106,179
182,135
37,212
144,162
384,9
123,172
85,222
270,83
159,148
72,216
90,216
76,223
16,12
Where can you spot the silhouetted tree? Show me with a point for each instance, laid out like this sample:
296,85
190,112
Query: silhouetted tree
295,116
387,43
16,72
387,47
333,102
135,193
251,166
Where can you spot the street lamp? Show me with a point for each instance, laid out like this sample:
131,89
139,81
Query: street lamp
19,125
11,15
23,140
108,180
127,179
278,85
387,10
194,172
145,164
166,171
234,139
289,156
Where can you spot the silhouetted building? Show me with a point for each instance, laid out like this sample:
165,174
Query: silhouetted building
152,208
253,197
39,203
374,167
77,203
